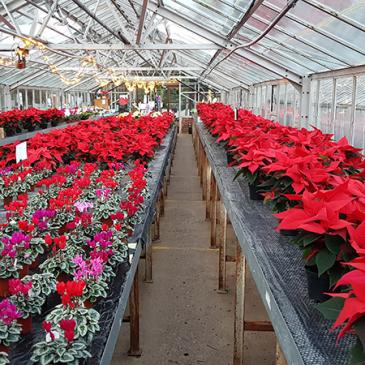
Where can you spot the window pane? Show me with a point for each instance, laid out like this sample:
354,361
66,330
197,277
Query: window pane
359,122
289,120
37,99
30,98
342,122
325,105
313,104
282,91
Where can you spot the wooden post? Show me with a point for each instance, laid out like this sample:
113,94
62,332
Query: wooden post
165,188
213,217
204,177
222,282
239,308
162,203
280,358
134,349
208,188
156,229
148,259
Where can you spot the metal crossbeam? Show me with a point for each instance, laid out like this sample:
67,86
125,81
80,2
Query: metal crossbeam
121,47
121,69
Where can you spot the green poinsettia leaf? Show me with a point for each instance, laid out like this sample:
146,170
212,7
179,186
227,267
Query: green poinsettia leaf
331,308
324,259
357,354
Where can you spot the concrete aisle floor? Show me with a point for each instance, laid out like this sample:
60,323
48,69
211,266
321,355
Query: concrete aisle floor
183,320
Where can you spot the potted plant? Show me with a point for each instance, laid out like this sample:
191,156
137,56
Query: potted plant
323,218
15,258
26,303
9,327
60,346
347,308
29,295
72,308
4,359
91,272
60,259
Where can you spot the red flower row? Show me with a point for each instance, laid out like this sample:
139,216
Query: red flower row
321,182
107,140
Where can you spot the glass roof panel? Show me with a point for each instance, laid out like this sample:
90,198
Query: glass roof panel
352,9
201,15
307,40
329,23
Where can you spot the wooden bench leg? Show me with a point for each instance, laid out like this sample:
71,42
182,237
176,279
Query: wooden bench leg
280,358
239,308
222,282
208,189
157,222
213,217
134,349
204,177
162,204
240,324
165,187
148,259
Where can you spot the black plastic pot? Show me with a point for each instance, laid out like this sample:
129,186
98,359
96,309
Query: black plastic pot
230,157
289,232
43,125
317,285
360,330
54,122
254,193
9,132
30,128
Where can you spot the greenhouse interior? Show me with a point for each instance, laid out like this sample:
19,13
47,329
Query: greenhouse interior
182,182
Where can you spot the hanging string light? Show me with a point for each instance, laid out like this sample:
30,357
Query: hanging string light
103,76
6,61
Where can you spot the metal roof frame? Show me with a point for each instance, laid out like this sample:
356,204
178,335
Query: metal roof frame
95,28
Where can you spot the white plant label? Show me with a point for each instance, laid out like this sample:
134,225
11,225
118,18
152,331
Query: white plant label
21,152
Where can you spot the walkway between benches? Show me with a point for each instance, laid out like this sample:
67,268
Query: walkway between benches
183,320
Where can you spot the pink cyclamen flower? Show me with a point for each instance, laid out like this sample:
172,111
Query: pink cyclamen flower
83,206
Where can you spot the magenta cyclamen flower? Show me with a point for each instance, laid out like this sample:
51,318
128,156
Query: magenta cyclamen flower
8,312
5,171
102,193
102,240
44,213
16,241
72,168
18,237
